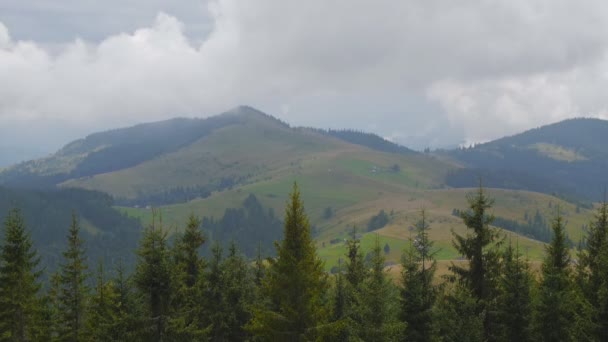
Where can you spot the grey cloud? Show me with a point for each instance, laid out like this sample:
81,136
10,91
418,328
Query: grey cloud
432,72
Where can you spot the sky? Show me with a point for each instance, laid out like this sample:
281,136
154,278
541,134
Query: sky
432,73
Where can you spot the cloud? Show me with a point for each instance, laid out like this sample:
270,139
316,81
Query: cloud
469,70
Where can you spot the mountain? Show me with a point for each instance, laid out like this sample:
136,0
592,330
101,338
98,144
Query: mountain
235,170
568,158
180,159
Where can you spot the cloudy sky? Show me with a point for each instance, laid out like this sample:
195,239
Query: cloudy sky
423,73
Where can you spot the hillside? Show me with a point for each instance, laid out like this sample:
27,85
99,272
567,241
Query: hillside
236,169
568,158
109,236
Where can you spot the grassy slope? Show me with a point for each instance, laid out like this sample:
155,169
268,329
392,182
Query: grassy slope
345,181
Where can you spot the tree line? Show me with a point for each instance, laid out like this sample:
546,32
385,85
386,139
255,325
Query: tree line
174,294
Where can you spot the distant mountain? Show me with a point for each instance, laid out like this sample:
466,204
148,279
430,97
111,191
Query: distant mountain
569,158
180,159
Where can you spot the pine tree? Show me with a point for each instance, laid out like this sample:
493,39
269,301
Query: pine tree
294,284
418,293
73,290
515,300
480,248
554,312
378,302
152,279
19,286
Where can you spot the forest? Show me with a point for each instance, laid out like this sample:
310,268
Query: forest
176,294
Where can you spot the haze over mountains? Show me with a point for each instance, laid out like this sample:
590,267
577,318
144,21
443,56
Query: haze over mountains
212,167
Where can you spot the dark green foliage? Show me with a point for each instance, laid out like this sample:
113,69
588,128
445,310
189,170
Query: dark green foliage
418,293
511,160
536,228
369,140
102,311
590,262
48,215
515,298
387,248
152,279
378,221
328,212
250,226
561,314
19,303
188,268
294,284
378,302
457,316
238,295
479,247
73,291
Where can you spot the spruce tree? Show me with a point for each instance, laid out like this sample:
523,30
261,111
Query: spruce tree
187,273
348,307
418,293
102,315
73,291
480,247
238,294
554,316
214,309
515,299
591,268
379,309
152,279
126,308
19,286
295,283
457,315
339,314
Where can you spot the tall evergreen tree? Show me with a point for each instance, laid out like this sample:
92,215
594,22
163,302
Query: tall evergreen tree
515,299
348,307
295,283
101,316
591,268
457,315
238,294
126,308
379,309
560,314
152,279
73,291
480,247
19,286
214,310
187,273
418,293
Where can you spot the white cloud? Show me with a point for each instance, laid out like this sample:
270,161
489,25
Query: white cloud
479,68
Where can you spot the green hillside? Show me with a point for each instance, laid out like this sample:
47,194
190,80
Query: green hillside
211,167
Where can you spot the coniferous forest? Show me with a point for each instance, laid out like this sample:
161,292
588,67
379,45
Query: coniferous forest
174,294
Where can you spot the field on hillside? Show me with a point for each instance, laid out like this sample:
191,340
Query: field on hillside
359,196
